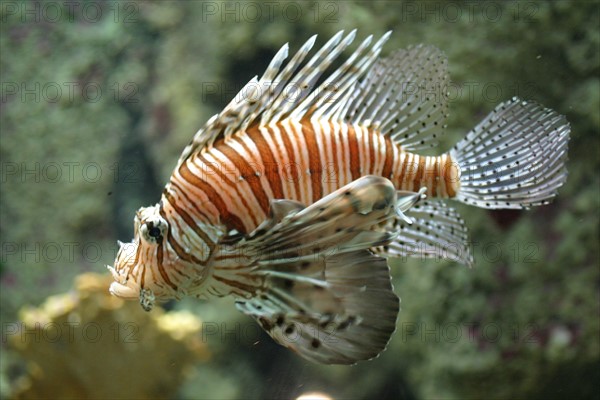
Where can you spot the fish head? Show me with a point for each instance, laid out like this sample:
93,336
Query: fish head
140,265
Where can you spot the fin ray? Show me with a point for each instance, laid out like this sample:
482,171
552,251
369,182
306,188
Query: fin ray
311,273
436,231
404,96
514,158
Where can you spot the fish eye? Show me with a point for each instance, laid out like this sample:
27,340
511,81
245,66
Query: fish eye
154,232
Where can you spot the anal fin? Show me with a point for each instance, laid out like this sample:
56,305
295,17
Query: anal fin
436,231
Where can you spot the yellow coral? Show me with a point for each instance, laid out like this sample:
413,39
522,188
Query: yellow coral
89,344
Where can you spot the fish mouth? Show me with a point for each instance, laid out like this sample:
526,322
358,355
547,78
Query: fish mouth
124,292
122,287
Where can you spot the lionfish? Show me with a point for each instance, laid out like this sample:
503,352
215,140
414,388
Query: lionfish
292,199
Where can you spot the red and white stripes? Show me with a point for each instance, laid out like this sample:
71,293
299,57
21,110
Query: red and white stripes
234,181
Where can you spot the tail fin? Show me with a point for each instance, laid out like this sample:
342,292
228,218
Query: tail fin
514,158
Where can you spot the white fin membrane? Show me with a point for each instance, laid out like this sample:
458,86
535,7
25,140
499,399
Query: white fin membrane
436,230
514,158
405,97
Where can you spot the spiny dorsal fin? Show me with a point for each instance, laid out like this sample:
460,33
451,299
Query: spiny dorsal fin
287,93
404,96
242,110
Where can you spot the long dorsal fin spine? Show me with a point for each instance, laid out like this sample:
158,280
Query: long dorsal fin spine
316,70
281,81
339,86
365,90
350,72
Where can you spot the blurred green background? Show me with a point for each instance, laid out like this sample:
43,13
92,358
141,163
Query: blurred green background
98,101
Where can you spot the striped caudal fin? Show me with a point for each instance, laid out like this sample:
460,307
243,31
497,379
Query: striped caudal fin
514,158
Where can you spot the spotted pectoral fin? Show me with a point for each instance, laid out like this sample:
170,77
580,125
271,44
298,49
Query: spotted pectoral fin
345,313
344,220
310,279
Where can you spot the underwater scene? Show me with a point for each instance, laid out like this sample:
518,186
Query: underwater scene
144,255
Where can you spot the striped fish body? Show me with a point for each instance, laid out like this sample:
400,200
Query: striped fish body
292,204
303,161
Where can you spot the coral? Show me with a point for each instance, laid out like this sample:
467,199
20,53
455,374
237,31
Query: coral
89,344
